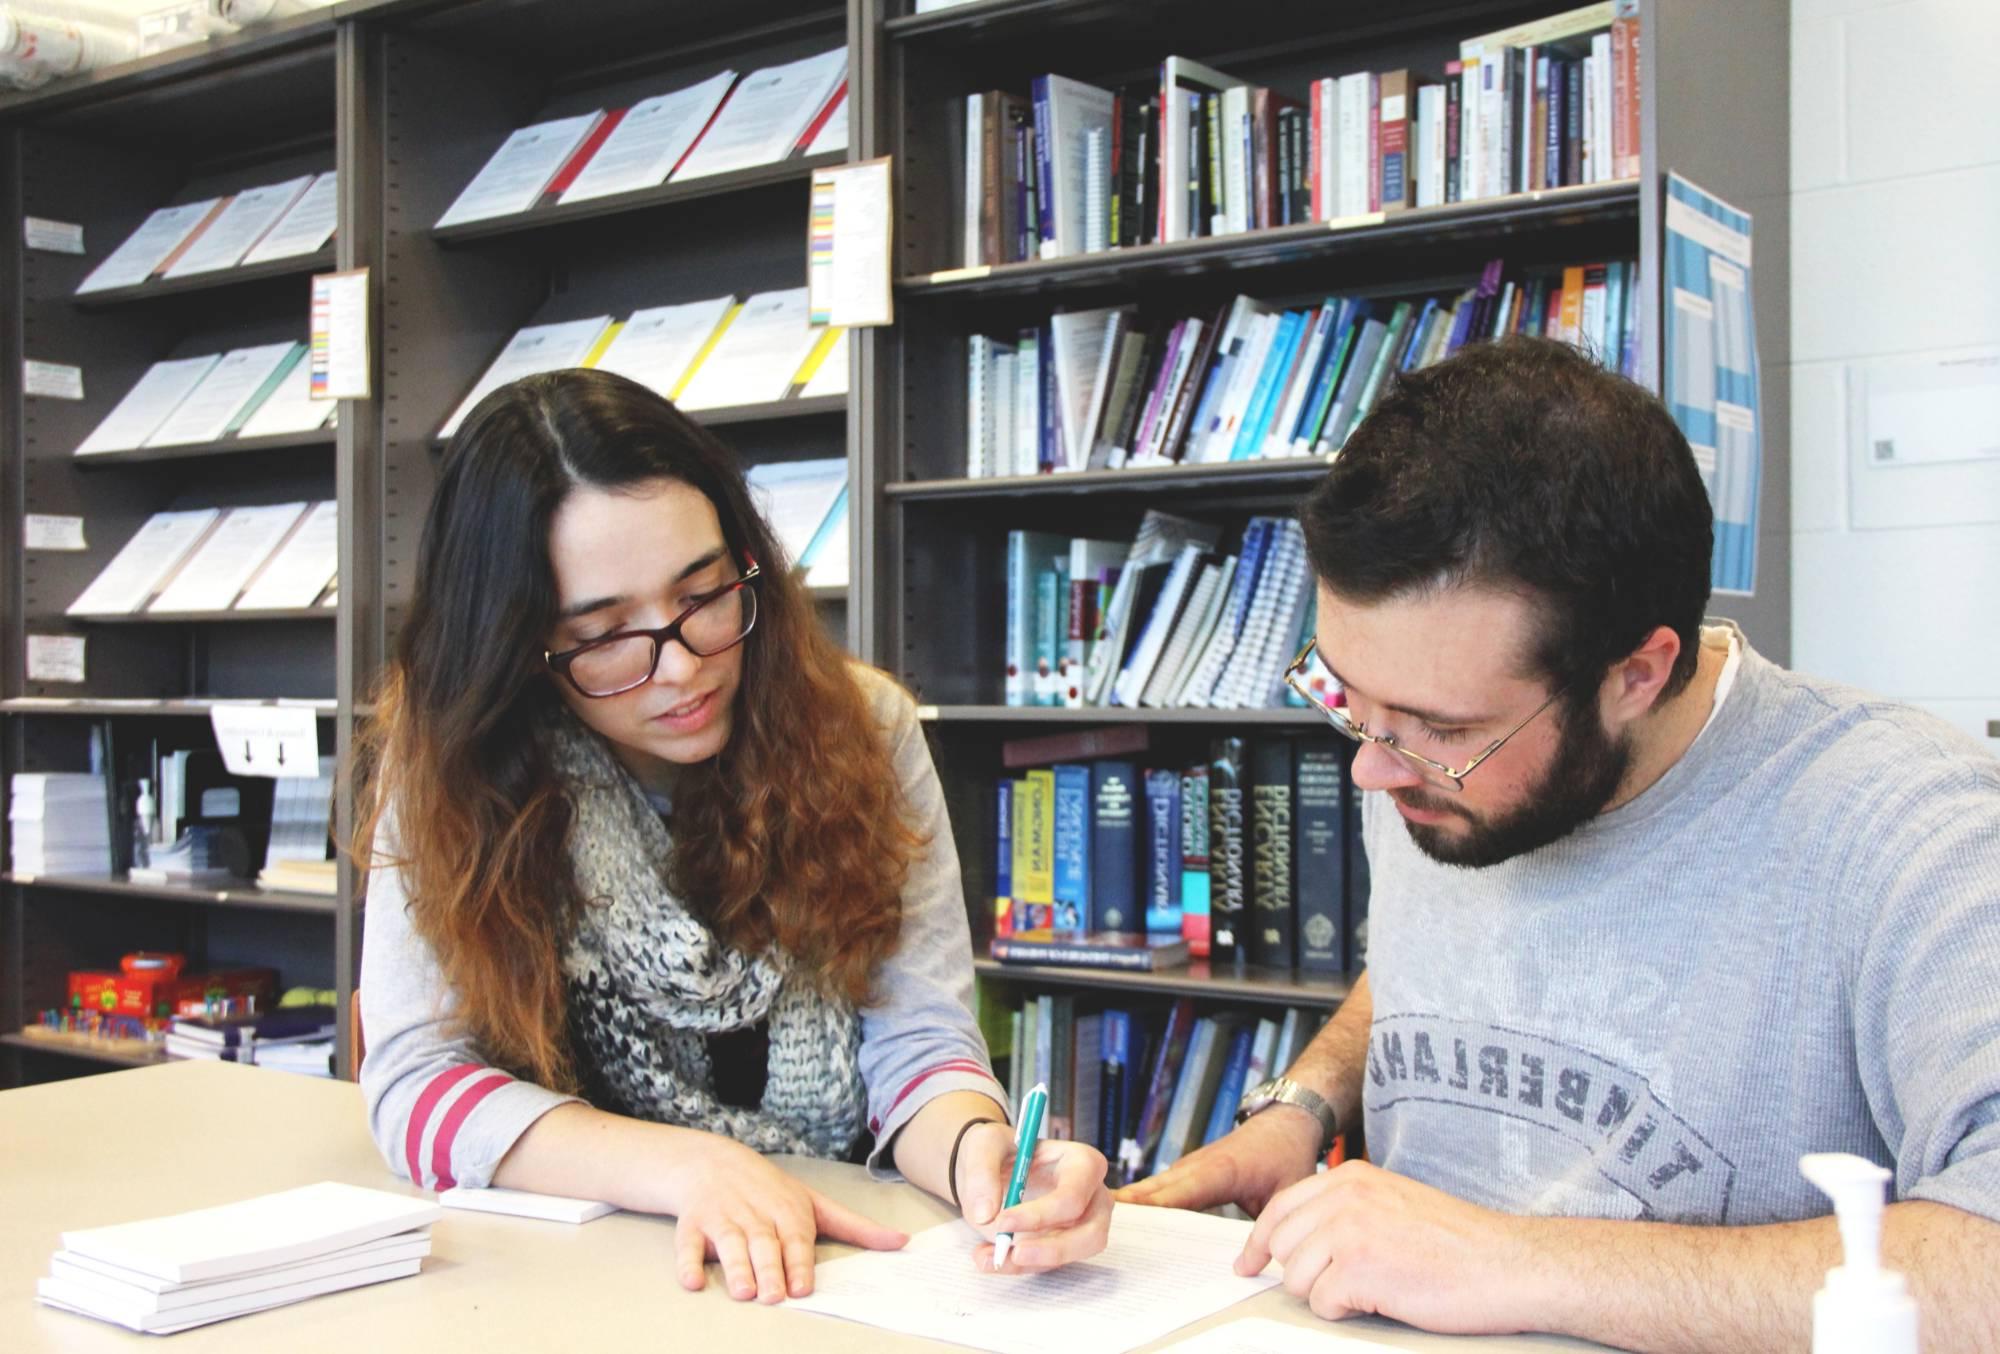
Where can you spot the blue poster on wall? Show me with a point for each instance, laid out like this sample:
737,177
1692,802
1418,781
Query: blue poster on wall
1711,368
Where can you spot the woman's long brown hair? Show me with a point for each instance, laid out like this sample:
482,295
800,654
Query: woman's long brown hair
793,836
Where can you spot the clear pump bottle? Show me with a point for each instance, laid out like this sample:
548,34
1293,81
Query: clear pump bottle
1864,1309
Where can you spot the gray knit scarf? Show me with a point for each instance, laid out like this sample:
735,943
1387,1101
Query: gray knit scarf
648,983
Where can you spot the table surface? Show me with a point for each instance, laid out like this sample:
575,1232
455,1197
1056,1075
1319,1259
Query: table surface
127,1145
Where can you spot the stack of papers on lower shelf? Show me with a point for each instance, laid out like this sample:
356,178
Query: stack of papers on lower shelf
172,1273
290,1038
58,823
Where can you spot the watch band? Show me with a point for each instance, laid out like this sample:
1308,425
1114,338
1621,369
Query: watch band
1284,1091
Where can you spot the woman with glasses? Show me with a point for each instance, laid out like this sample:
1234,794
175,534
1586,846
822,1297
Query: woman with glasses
662,882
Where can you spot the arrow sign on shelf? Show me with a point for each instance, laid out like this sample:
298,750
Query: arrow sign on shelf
267,740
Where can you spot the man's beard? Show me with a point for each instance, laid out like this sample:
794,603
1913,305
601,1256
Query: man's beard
1581,778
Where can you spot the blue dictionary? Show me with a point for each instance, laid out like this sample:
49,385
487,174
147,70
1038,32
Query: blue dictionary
1163,853
1072,845
1114,847
1115,1055
1229,1091
1003,857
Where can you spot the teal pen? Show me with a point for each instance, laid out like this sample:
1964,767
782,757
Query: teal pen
1032,1107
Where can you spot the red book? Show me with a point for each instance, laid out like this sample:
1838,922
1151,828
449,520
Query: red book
1625,91
574,166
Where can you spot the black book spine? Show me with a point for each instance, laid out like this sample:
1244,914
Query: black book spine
1149,185
1318,881
1573,122
1356,867
1454,86
1226,891
1273,907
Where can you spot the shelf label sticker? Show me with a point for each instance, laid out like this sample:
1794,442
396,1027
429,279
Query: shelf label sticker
52,237
53,380
339,328
972,274
1356,221
267,740
47,531
848,232
55,658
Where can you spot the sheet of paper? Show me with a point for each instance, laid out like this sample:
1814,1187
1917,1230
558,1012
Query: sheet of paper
302,566
206,412
653,137
52,237
402,1246
267,740
794,497
520,170
224,563
757,356
832,376
148,404
306,227
521,1204
1162,1269
657,344
339,361
158,236
55,658
51,531
1262,1335
268,1229
240,225
848,245
71,1297
51,380
290,408
766,115
535,349
136,572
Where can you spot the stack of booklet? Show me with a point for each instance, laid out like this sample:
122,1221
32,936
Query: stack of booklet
58,823
291,1038
170,1274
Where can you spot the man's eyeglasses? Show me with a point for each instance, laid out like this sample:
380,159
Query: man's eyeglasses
1434,772
625,661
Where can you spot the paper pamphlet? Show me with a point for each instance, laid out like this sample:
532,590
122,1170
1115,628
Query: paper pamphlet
290,408
794,497
522,1204
206,412
650,140
246,220
658,345
1162,1269
137,571
766,114
301,567
756,357
218,569
158,237
306,227
398,1246
148,404
520,170
533,350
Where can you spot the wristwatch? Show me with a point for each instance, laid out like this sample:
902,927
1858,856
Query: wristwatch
1284,1091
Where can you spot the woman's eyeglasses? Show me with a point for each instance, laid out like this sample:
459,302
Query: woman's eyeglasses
624,661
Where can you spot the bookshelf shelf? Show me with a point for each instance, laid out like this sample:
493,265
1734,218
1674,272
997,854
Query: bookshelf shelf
220,279
665,196
1488,222
307,613
1218,478
318,440
163,706
1286,717
234,895
63,1048
776,411
1200,979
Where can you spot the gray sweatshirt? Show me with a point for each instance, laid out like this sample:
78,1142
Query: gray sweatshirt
441,1116
1789,944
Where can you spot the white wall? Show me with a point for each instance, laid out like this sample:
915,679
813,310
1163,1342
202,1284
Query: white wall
1895,259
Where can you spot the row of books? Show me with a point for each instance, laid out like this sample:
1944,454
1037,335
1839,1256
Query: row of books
278,556
262,391
1254,854
1169,620
1074,168
726,122
1146,1085
257,225
701,354
805,504
1110,388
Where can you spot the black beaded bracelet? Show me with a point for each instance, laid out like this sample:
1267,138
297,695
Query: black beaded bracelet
951,1167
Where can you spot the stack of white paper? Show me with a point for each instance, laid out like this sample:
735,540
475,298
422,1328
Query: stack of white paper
148,247
520,171
220,568
652,138
173,1273
766,115
795,497
143,567
302,567
148,404
238,226
535,349
306,227
58,823
658,345
758,354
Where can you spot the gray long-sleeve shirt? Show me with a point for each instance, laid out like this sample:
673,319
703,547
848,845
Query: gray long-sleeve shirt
1790,943
442,1116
